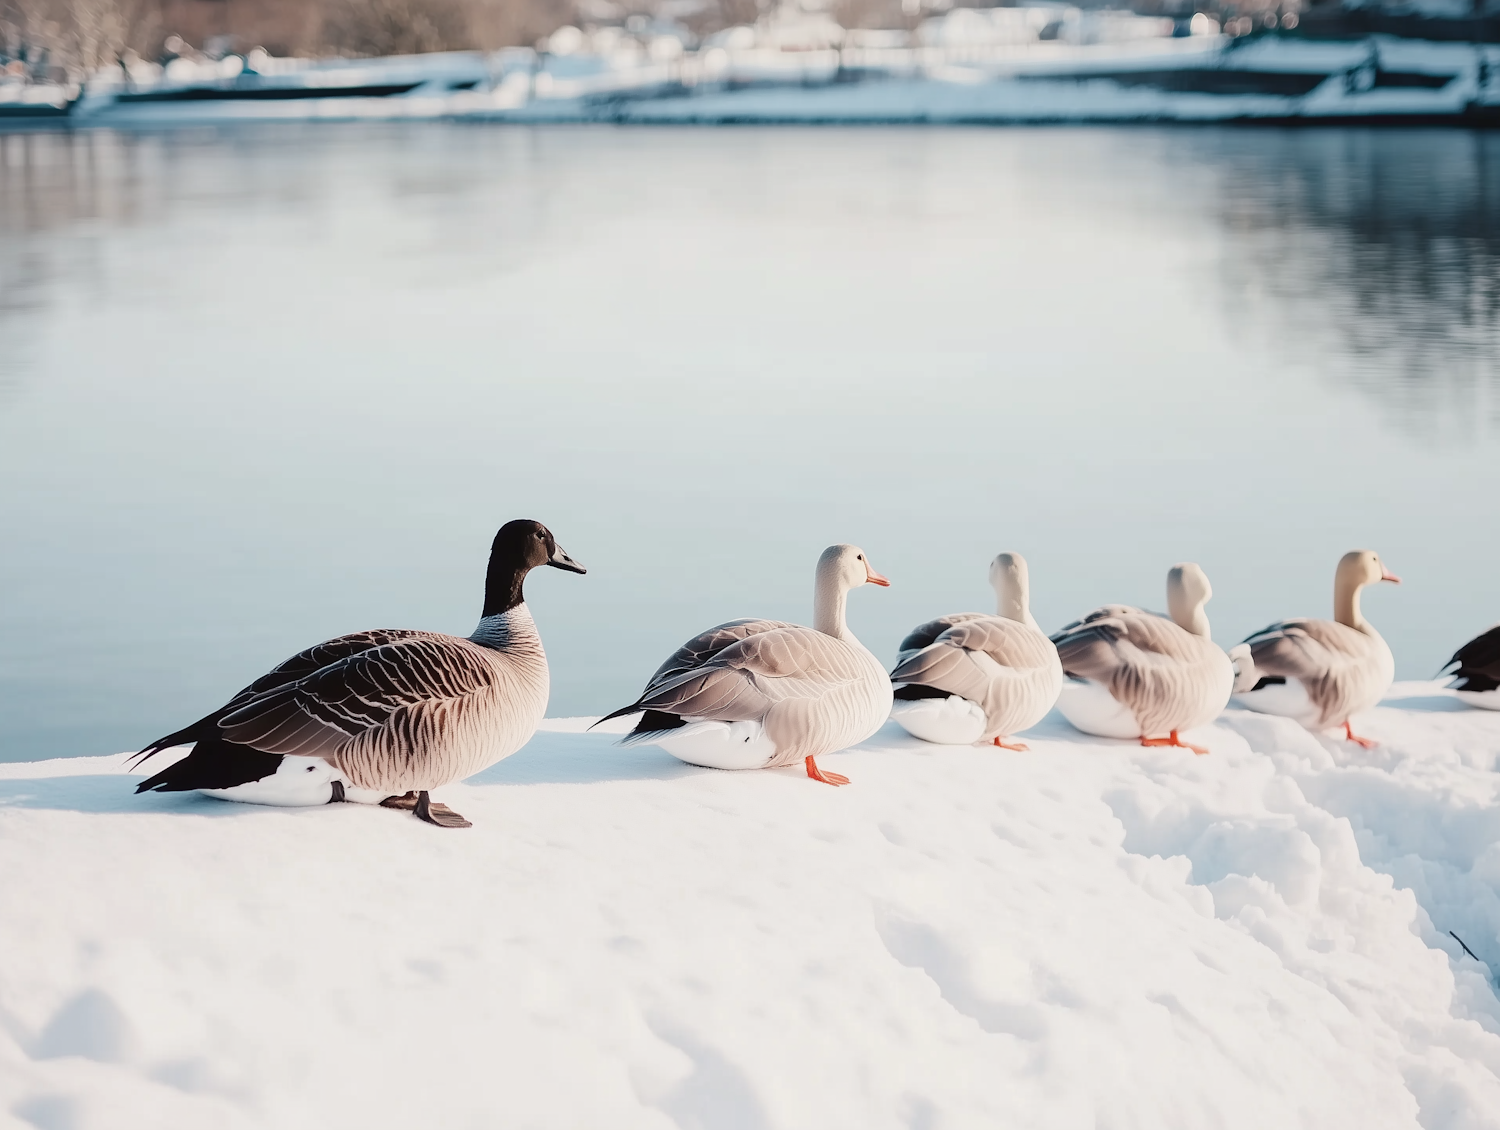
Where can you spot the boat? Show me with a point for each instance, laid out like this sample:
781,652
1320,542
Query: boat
258,86
1036,64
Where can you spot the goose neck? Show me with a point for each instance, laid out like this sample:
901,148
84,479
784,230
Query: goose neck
504,585
1011,603
506,629
830,600
1346,605
1189,617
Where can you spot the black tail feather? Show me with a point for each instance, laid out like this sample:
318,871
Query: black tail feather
199,730
214,763
916,690
633,708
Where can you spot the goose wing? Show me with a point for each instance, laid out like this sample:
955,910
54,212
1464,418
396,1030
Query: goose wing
1117,636
1338,666
706,645
744,680
1477,664
1166,676
314,715
925,635
948,662
1306,649
299,666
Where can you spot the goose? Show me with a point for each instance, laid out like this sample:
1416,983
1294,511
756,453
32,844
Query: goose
1320,672
969,677
760,694
1475,669
384,716
1135,674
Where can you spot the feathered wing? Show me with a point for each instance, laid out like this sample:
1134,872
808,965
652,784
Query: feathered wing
925,635
299,666
318,714
745,679
1009,669
1165,675
686,660
1335,664
1476,665
705,645
802,685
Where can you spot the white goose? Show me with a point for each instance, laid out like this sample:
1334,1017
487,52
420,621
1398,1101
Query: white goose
1320,672
1475,670
969,677
383,716
758,694
1134,674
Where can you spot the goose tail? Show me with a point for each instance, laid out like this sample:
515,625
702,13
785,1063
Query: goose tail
188,735
214,763
1245,675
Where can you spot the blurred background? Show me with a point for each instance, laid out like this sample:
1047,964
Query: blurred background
263,382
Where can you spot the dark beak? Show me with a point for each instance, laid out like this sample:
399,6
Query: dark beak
561,560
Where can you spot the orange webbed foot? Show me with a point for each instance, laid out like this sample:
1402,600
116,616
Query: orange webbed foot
1363,743
1019,747
1174,740
827,778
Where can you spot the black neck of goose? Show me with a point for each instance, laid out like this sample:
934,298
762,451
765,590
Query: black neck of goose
502,586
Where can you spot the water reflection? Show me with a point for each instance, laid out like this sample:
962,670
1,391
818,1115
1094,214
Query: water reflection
1380,251
261,386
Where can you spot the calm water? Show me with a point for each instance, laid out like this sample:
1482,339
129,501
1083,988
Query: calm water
261,387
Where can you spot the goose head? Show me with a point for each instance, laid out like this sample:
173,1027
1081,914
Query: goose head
1012,584
1361,567
847,568
518,548
840,569
1188,591
1357,568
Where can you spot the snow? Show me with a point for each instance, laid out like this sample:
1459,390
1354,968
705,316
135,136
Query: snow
1090,934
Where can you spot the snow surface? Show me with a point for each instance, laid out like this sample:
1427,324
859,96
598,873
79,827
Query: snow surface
1090,934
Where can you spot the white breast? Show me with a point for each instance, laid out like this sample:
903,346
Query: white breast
1090,707
720,745
945,721
1288,700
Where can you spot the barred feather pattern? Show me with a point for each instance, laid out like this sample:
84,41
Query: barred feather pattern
1168,677
1010,670
414,712
813,692
1343,670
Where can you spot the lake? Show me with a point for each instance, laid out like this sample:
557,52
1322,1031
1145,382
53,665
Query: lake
261,386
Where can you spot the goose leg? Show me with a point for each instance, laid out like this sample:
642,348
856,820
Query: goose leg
1019,747
1366,743
827,778
439,814
405,803
1173,740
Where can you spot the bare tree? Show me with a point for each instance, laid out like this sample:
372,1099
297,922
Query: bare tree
79,36
395,27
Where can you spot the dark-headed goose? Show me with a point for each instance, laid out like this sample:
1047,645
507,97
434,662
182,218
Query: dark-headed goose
383,716
1135,674
969,677
1320,672
1475,669
758,694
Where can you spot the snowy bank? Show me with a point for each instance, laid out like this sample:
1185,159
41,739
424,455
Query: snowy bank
1090,934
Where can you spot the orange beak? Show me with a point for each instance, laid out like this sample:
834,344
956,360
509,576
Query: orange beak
875,578
1387,575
